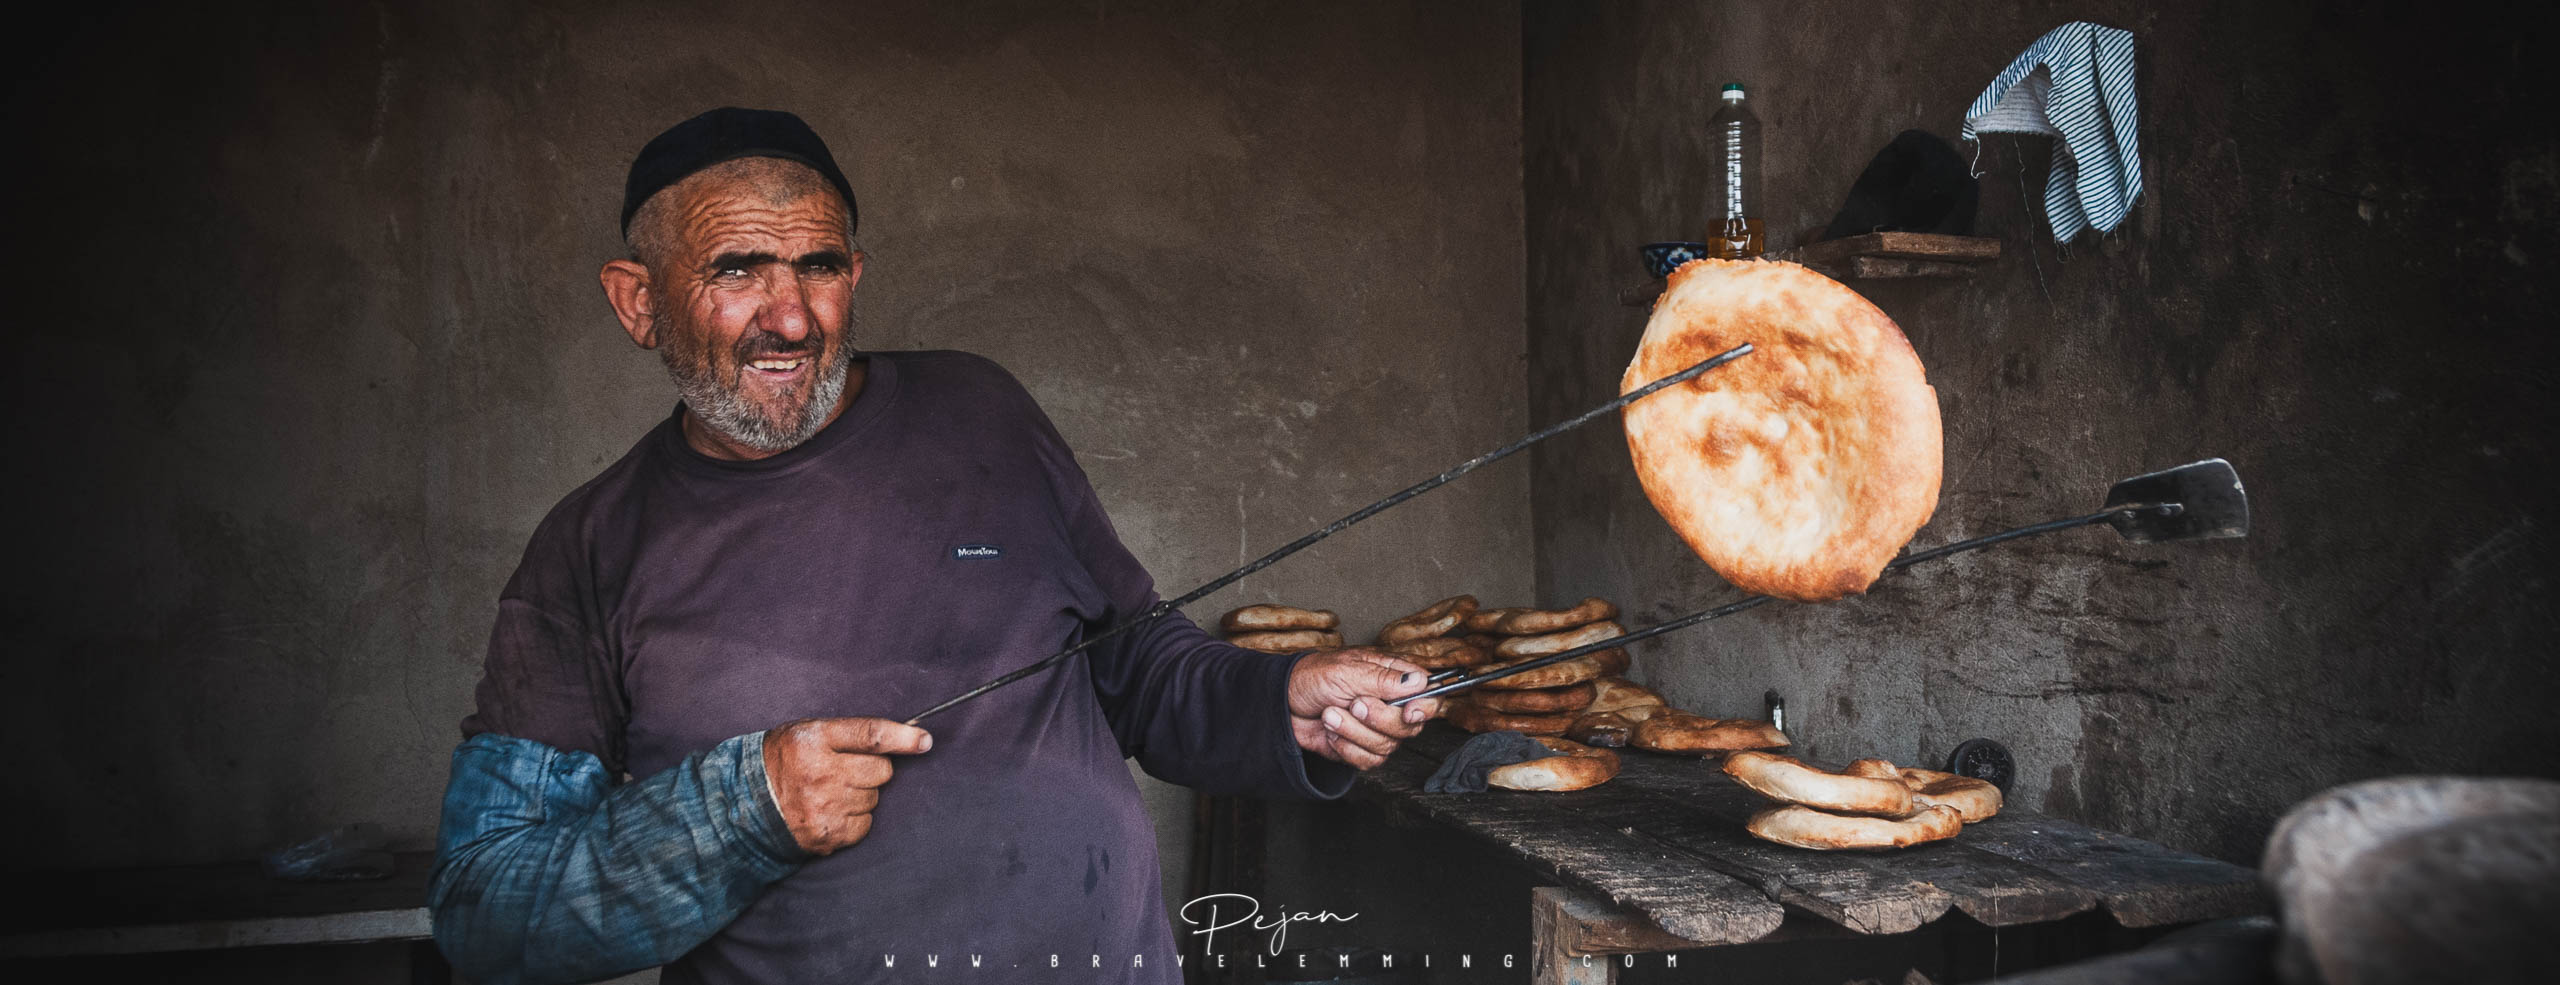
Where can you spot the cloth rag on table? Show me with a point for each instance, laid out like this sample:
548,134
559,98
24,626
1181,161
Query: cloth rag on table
1467,769
2075,84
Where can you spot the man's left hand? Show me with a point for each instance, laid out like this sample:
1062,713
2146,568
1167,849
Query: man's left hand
1338,704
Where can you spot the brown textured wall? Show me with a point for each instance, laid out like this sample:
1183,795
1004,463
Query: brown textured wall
316,337
2338,278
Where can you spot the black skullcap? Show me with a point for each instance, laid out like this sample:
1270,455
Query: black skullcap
727,134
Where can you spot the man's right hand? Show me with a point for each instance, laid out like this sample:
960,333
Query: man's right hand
827,773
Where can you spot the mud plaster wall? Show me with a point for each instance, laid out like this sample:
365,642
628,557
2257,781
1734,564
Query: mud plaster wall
315,337
2339,277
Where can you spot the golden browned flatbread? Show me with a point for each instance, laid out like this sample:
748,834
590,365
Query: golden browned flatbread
1972,798
1483,620
1477,718
1787,779
1638,713
1266,618
1800,469
1534,622
1558,674
1539,646
1618,693
1607,729
1438,652
1576,767
1288,641
1542,701
1436,620
1679,731
1804,827
1614,661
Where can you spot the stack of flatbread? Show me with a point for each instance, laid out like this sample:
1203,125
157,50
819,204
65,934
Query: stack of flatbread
1872,804
1456,632
1282,628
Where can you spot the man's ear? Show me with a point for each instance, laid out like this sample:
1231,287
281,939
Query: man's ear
626,287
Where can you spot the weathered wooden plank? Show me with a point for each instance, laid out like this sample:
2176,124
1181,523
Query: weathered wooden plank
1881,268
1990,888
1665,816
1571,932
1593,927
1687,807
1903,246
1864,898
1554,834
2144,884
1997,891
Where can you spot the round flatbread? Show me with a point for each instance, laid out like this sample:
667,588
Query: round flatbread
1267,618
1576,767
1534,622
1542,701
1436,620
1475,717
1483,620
1288,641
1438,652
1972,798
1638,713
1787,779
1558,674
1604,729
1697,735
1798,470
1618,693
1539,646
1804,827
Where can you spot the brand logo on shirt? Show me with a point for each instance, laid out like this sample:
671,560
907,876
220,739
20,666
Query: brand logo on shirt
976,552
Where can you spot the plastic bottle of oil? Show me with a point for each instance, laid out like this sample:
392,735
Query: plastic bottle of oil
1736,215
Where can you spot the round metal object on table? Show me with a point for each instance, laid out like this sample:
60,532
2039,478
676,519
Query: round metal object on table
1983,759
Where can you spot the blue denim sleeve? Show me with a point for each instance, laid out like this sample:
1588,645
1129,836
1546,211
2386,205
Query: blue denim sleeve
548,872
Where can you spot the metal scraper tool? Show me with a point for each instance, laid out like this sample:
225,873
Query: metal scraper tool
2198,501
1365,512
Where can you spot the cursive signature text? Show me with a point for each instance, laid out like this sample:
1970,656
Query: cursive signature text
1220,911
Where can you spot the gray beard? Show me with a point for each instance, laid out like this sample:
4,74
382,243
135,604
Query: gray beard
722,408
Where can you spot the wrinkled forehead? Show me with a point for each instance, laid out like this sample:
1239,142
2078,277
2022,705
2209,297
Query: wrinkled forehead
768,200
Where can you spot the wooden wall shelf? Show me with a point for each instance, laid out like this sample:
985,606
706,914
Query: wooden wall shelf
1873,256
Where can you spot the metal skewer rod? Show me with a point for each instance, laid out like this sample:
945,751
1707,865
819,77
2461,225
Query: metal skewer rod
1754,601
1337,526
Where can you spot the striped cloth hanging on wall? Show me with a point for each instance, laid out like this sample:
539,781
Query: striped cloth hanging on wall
2074,84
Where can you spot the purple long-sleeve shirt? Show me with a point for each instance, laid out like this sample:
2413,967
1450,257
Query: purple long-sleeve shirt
938,534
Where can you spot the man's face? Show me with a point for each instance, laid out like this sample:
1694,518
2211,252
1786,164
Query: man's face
754,309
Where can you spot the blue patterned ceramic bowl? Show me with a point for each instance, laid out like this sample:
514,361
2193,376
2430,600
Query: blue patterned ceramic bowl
1663,258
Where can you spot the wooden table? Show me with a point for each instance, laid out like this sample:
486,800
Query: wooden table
1657,860
77,914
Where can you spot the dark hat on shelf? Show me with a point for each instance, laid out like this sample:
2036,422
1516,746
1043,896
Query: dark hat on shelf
1915,184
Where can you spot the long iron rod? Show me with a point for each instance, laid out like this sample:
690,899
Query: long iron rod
1337,526
1754,601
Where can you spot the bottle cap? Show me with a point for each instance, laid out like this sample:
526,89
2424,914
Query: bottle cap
1732,87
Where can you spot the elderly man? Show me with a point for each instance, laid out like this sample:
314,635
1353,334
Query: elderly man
816,544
